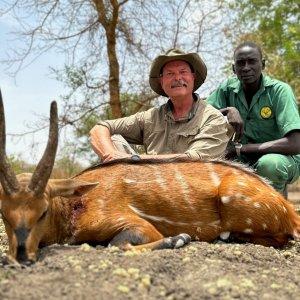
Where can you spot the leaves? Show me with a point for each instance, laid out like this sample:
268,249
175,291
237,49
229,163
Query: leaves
274,25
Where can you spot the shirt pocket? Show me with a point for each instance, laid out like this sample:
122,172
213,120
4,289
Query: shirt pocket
154,137
187,132
261,123
261,130
186,136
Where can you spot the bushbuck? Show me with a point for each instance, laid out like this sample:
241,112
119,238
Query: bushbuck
138,204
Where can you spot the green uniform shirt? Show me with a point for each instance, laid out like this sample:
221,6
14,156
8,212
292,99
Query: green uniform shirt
273,111
201,134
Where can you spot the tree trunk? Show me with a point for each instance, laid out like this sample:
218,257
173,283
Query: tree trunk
110,25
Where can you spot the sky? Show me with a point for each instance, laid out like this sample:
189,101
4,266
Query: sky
27,96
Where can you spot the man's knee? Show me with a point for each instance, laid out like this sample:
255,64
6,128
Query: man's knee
279,169
282,167
121,144
274,167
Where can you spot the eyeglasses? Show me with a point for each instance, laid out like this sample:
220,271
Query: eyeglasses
183,73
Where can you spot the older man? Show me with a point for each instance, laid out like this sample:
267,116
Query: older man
185,126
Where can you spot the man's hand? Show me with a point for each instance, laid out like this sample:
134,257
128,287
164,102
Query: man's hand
115,155
235,120
230,152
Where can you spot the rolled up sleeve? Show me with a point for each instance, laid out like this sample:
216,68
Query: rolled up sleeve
131,128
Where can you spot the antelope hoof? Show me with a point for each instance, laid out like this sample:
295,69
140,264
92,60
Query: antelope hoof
8,260
177,241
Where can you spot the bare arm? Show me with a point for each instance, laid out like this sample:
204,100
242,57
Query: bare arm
102,144
288,145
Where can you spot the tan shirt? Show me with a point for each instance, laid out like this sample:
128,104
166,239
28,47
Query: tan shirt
202,134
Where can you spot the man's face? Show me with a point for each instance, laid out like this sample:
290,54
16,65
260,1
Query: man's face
177,79
248,65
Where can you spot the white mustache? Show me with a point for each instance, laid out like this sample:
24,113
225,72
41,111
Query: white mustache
177,83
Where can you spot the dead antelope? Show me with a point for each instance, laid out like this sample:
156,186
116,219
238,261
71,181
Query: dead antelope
138,205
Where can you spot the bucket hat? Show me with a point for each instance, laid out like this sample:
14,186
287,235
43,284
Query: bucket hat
193,59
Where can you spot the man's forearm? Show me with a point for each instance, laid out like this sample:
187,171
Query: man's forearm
101,141
281,146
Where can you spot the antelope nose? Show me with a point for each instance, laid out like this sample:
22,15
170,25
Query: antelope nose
22,257
22,235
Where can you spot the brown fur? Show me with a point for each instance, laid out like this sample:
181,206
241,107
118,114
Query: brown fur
153,200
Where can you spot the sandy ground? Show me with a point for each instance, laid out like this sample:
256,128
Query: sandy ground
198,271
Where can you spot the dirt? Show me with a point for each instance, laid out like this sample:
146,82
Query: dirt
197,271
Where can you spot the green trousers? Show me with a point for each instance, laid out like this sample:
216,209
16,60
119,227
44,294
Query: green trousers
279,169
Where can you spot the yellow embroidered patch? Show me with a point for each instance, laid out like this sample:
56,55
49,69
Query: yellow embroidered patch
266,112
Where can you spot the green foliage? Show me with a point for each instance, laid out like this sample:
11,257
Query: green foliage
81,146
73,77
73,158
66,166
20,166
129,104
86,124
275,26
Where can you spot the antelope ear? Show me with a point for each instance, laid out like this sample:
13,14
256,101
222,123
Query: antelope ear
69,187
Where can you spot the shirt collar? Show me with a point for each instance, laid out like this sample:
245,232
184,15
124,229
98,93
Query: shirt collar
266,81
191,114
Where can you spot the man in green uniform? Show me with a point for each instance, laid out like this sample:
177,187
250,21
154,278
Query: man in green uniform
264,114
185,126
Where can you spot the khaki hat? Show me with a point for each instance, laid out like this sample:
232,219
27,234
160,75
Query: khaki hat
193,59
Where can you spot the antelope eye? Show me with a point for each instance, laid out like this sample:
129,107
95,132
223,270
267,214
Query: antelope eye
43,215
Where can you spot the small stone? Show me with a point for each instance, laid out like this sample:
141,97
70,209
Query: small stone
123,289
85,247
186,259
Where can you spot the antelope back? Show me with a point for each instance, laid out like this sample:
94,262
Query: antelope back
201,198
